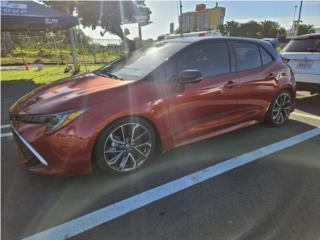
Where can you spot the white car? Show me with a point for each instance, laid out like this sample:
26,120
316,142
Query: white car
302,53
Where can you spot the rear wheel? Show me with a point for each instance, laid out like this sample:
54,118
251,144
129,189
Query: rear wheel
125,145
280,109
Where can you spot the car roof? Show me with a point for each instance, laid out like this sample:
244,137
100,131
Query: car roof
308,36
198,39
190,40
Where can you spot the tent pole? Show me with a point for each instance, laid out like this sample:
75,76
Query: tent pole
84,55
56,49
74,52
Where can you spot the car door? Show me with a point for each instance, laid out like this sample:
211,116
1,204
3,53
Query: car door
202,108
255,68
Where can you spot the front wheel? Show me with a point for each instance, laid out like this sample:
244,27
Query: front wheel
125,145
280,109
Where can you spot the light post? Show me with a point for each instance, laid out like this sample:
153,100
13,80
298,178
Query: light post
299,19
181,35
293,29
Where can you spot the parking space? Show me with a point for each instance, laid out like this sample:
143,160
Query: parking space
275,197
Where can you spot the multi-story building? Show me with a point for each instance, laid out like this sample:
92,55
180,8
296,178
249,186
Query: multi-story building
203,19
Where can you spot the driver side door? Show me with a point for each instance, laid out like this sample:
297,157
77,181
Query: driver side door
201,109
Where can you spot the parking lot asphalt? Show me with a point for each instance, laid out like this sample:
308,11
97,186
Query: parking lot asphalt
275,197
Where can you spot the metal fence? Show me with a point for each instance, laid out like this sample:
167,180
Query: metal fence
54,48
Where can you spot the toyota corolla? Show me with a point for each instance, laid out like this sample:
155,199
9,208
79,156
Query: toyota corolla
157,98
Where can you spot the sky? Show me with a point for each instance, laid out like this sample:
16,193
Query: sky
165,12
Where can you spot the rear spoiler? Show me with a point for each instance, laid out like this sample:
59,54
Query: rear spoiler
273,41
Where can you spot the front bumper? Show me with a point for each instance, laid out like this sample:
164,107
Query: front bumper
67,151
28,151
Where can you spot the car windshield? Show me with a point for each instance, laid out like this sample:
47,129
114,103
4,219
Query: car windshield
141,62
303,45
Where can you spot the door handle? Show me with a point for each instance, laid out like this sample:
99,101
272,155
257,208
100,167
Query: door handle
230,84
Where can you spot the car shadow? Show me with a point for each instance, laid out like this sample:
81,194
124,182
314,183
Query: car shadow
102,188
307,104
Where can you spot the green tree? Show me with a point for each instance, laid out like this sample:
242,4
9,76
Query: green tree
250,29
222,29
282,34
126,31
269,29
177,31
109,15
305,29
63,6
231,28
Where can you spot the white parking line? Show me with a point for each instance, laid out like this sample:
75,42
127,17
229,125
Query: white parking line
108,213
5,126
307,115
6,134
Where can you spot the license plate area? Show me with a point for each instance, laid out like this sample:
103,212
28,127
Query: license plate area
304,65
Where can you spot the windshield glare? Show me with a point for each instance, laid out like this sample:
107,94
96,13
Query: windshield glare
141,62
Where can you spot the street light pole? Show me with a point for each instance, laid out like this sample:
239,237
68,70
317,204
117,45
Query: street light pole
293,30
181,35
299,19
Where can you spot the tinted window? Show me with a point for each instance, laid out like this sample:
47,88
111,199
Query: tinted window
247,56
266,58
303,45
143,61
211,59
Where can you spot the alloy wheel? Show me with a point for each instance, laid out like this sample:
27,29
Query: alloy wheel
127,147
281,108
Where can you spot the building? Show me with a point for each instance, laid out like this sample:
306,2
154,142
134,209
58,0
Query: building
203,19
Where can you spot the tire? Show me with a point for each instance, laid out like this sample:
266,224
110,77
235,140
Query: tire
280,109
125,145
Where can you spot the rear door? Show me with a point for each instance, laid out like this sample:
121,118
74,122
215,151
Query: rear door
255,68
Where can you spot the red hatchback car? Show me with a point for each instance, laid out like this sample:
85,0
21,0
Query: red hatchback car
170,94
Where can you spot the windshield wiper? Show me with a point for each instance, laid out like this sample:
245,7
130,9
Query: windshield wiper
113,75
108,74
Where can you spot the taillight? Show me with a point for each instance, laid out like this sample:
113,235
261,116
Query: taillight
285,60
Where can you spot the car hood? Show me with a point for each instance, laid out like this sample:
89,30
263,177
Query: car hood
78,91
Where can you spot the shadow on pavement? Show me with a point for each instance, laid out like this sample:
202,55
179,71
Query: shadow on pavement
310,104
11,91
47,201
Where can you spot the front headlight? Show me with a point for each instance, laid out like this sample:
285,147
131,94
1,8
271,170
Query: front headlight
54,121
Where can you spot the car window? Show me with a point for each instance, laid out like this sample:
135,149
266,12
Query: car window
247,56
143,61
210,58
266,57
303,45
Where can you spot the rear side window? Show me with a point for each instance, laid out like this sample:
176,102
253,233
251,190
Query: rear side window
266,57
247,56
303,45
210,58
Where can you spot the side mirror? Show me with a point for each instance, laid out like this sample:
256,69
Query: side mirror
188,76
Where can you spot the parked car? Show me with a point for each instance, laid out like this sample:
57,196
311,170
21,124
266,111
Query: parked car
155,99
302,53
